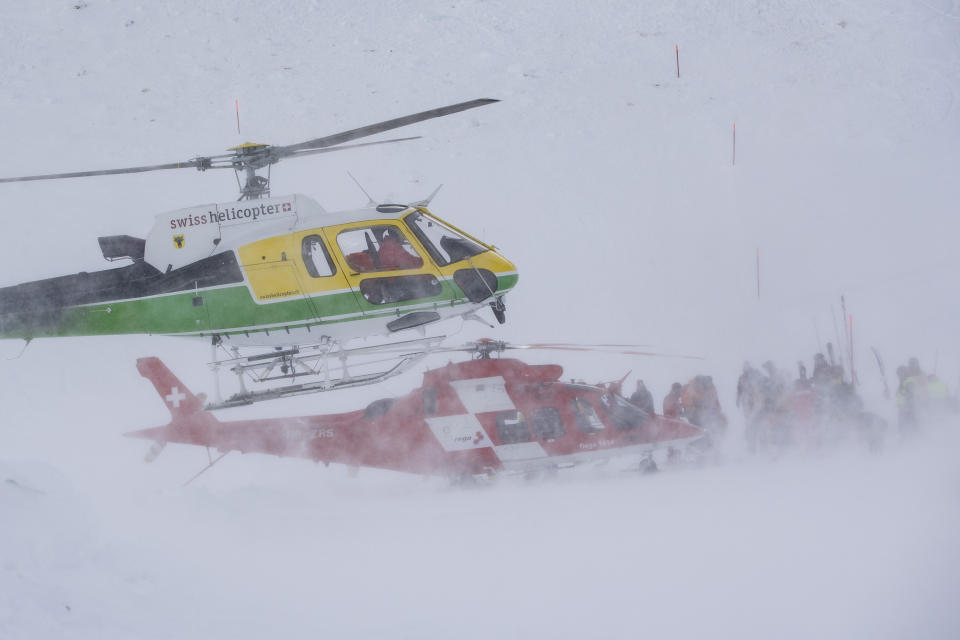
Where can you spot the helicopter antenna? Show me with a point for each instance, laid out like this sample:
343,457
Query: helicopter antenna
426,202
370,201
250,157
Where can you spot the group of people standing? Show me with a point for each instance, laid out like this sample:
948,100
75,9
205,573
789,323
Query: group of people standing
808,410
697,401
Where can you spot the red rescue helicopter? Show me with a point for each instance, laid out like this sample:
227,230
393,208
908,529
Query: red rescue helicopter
468,419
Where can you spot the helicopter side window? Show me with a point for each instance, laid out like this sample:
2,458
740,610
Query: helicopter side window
316,258
444,244
512,427
429,401
587,419
547,424
378,248
625,416
378,408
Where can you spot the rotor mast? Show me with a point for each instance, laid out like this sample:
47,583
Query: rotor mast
249,158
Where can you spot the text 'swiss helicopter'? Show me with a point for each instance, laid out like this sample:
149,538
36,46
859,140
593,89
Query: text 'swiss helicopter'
477,417
275,271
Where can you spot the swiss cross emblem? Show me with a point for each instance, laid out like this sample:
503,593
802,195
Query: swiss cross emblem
287,206
175,397
477,437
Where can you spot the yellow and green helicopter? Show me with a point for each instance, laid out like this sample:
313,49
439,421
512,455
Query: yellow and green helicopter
277,272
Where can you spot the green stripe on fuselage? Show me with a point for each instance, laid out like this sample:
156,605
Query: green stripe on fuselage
223,310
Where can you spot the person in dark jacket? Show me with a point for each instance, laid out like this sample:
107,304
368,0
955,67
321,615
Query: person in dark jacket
643,398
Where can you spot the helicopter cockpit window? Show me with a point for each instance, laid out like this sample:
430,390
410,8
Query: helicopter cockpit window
512,427
587,419
624,415
547,424
316,258
444,244
378,248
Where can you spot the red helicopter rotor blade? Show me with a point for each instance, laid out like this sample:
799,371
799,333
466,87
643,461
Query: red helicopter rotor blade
585,344
628,352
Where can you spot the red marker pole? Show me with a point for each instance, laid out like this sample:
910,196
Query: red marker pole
853,372
734,144
236,104
678,59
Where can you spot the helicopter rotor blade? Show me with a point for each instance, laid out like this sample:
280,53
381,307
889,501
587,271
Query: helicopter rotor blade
595,349
498,346
199,163
380,127
487,347
592,346
307,152
252,157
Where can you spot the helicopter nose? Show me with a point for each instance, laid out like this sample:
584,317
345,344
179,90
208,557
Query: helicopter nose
488,275
506,272
507,277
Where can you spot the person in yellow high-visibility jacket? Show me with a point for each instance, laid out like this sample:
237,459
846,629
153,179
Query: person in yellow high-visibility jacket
939,400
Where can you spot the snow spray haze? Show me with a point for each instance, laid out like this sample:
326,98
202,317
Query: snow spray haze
608,180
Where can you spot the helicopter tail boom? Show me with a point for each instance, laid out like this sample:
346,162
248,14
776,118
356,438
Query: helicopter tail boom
179,399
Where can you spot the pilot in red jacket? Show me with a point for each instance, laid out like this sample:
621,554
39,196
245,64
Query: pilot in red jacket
394,256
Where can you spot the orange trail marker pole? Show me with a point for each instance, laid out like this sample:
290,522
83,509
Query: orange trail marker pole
236,103
677,47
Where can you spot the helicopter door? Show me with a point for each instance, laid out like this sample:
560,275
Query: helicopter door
321,280
390,274
281,301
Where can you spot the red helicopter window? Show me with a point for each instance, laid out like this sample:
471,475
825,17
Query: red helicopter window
587,419
547,423
379,248
625,416
429,401
316,258
444,244
512,427
379,407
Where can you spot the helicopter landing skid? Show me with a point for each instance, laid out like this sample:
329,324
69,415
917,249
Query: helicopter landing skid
327,363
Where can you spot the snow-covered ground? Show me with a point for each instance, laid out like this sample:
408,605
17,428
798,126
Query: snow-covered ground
610,183
841,546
